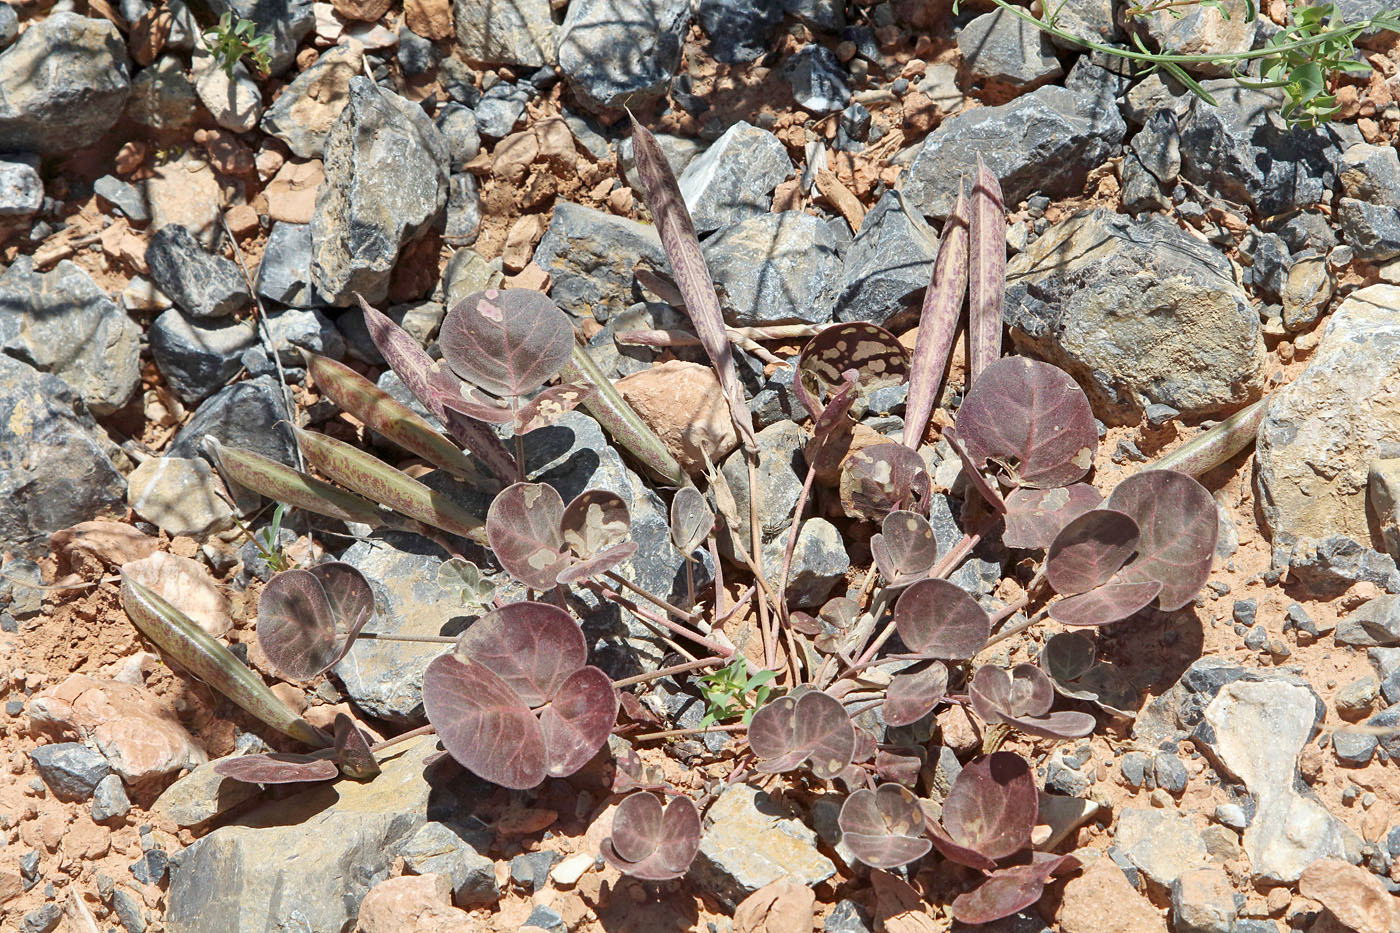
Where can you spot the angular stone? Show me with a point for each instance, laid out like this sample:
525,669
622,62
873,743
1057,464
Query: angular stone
590,256
55,465
739,29
284,274
684,404
286,23
293,331
887,267
1204,31
1003,47
1162,844
1371,173
1324,429
386,180
412,904
201,284
733,180
1353,895
179,496
1383,490
818,80
1204,901
61,322
306,110
62,84
505,34
819,563
185,192
1140,313
457,124
21,189
1372,230
463,211
1373,624
162,99
71,770
245,414
1306,292
618,51
201,795
439,848
1328,566
750,842
109,799
195,360
235,102
501,108
1045,141
330,845
775,269
1102,900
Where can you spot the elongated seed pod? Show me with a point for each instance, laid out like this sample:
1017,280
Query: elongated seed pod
281,483
1216,444
938,324
986,279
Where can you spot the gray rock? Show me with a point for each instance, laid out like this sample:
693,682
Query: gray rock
128,908
1092,20
294,330
819,563
286,21
818,80
1045,141
1169,773
284,274
1307,231
546,918
1354,749
21,189
196,360
21,588
386,180
441,849
201,795
61,322
1063,775
245,414
1371,173
887,267
1157,91
1290,829
1136,768
55,464
162,99
501,107
1240,151
71,770
776,401
1139,313
590,256
1204,901
749,842
1271,263
531,870
505,34
775,269
1203,31
1157,147
1383,488
981,572
463,211
1003,47
677,150
151,867
109,799
1372,230
62,84
42,919
1141,189
733,179
124,197
1373,624
1386,661
848,916
330,845
1324,429
1162,844
234,101
739,30
615,52
457,124
1306,292
780,473
304,114
1329,566
416,55
201,284
9,26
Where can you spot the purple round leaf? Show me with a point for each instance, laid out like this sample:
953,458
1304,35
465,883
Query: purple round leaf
812,728
308,619
1178,525
1035,516
277,768
533,647
1063,724
483,723
578,719
938,619
1090,550
912,695
899,767
650,843
991,806
522,527
1008,890
1067,656
876,355
593,522
905,548
879,479
884,828
998,694
1112,602
1031,415
507,342
692,519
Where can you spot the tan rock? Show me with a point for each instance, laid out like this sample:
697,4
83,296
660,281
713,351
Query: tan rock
180,496
186,585
781,907
291,195
431,19
242,220
684,404
138,738
1354,896
1102,901
413,904
185,192
571,869
303,116
521,240
366,11
109,544
227,153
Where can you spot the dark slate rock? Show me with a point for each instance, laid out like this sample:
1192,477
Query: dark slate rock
416,55
1373,624
284,275
42,919
109,799
463,210
848,916
9,26
1354,749
775,268
124,197
55,465
1046,141
1003,47
201,284
531,870
65,81
151,867
1388,719
195,360
1136,768
1329,566
70,769
818,80
590,256
1307,231
617,52
501,107
1272,260
457,124
853,128
245,414
459,81
1240,151
739,30
1169,772
454,852
825,15
546,918
733,180
887,267
1372,230
286,21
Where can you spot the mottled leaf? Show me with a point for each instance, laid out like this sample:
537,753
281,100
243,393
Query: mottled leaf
938,324
277,768
876,356
938,619
308,619
913,694
464,581
1008,890
352,754
1090,550
594,521
522,528
1035,516
905,549
507,342
549,406
884,828
989,811
986,277
882,478
692,519
650,843
812,728
597,565
1178,526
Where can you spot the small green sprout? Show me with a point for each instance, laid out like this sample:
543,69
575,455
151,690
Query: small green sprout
727,690
231,42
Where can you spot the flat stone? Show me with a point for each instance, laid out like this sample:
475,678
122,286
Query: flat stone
179,496
775,269
1162,844
291,194
750,842
284,273
514,34
1354,749
196,360
202,284
124,197
109,799
1203,31
1353,895
1373,624
386,180
501,108
295,330
1372,230
590,256
684,404
457,124
162,99
56,466
886,269
65,82
1204,901
185,192
1290,829
245,414
1140,313
330,844
1324,429
733,180
412,904
1003,47
304,113
61,322
21,189
1306,292
71,770
618,51
1102,900
1371,173
285,23
201,795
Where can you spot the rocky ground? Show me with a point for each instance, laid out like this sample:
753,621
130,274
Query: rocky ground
171,236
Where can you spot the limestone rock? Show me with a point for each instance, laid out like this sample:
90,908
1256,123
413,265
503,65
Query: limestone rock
617,52
520,33
1162,844
590,256
750,842
684,404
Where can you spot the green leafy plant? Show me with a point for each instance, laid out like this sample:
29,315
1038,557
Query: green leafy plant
732,692
231,42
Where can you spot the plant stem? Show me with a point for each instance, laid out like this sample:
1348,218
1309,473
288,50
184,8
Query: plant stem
770,647
657,620
429,729
422,639
654,600
1014,630
668,671
792,535
675,733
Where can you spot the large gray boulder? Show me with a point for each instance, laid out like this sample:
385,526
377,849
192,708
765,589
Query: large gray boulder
775,269
590,256
516,33
622,52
